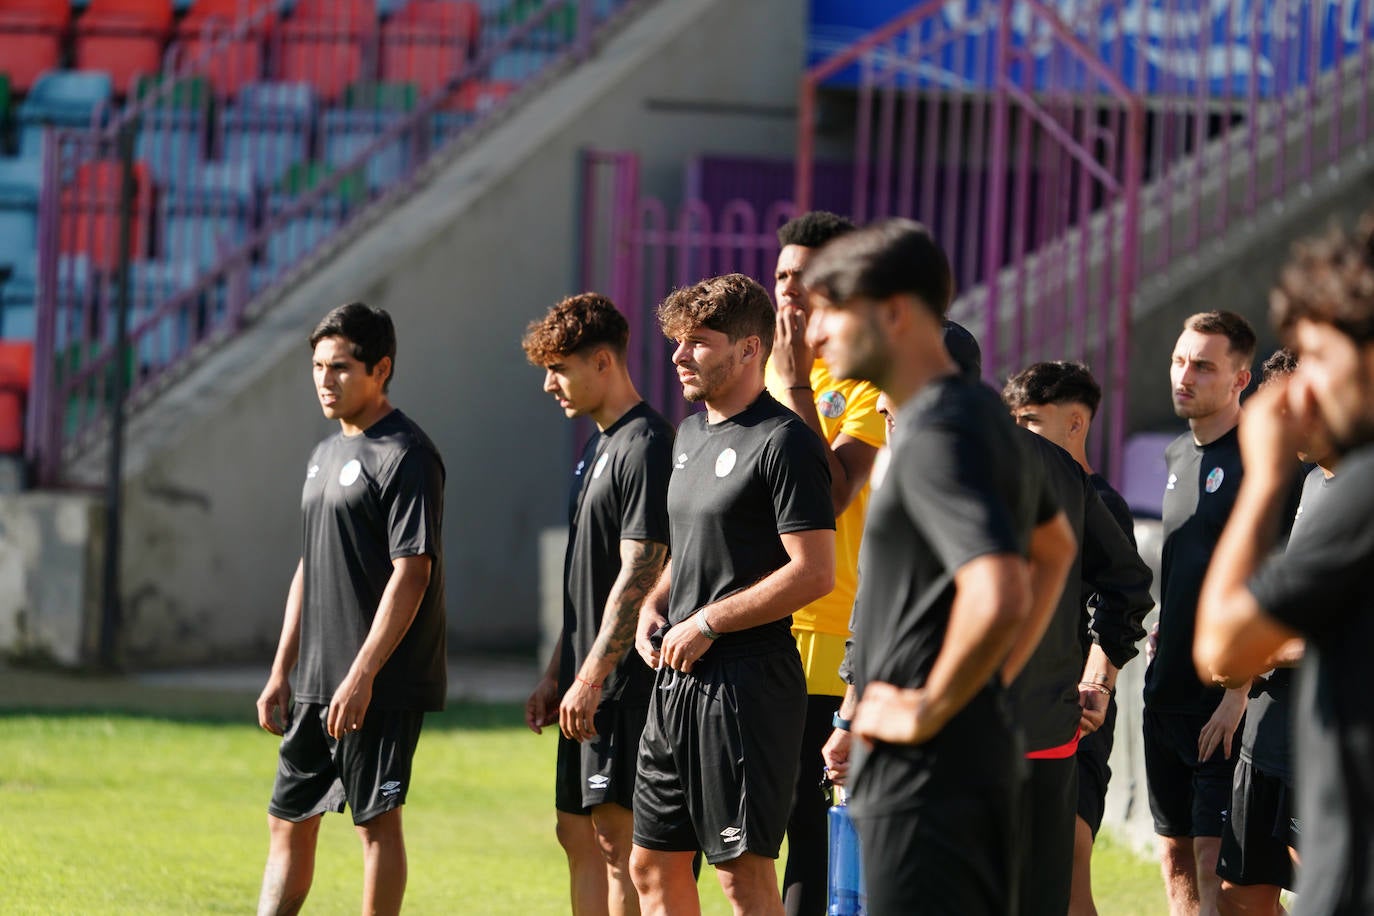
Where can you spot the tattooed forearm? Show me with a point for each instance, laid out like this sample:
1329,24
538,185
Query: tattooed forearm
641,563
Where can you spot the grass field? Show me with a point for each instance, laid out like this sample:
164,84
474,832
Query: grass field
120,798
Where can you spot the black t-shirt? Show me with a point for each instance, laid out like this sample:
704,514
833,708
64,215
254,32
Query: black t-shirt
619,492
1320,587
960,485
1203,480
736,486
1045,695
1267,739
1121,644
1115,504
370,499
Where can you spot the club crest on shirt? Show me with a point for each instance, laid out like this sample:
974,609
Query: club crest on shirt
600,466
681,462
1214,479
831,404
348,474
725,462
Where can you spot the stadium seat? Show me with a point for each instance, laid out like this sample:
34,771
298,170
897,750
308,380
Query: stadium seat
20,182
152,284
31,39
4,112
302,234
125,38
62,98
11,422
369,110
518,66
174,130
19,304
207,216
269,128
91,215
326,43
206,37
16,364
427,42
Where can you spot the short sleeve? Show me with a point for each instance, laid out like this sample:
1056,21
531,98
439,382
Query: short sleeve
1308,587
413,500
643,469
861,419
949,485
797,472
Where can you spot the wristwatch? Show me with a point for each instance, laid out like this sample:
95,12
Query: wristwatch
840,722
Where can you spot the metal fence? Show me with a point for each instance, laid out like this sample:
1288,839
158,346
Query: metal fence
264,137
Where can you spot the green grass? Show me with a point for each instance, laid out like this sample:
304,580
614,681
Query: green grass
119,798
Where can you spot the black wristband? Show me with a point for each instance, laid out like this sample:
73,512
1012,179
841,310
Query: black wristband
840,722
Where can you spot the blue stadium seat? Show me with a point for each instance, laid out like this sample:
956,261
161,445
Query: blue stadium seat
171,142
62,98
301,235
269,128
207,215
20,180
345,132
151,285
517,66
19,303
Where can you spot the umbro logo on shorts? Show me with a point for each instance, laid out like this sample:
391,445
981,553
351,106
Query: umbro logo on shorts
390,788
598,781
731,834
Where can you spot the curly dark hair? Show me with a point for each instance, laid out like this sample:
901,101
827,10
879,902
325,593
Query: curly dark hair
1329,279
733,304
813,229
574,325
1058,381
1278,364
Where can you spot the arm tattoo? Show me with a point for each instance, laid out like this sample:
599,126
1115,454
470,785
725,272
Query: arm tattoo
641,564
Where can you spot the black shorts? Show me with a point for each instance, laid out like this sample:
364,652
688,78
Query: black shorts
953,856
601,770
368,769
1047,827
1258,830
1187,796
1093,772
718,759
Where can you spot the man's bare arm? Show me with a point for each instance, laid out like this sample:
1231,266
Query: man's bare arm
641,563
275,700
808,574
395,613
653,613
1052,551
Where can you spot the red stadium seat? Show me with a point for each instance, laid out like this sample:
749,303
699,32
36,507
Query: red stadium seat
16,364
11,422
325,44
31,39
124,38
428,41
91,217
232,63
479,96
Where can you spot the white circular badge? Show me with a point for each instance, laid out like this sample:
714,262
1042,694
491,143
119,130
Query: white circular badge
725,462
349,472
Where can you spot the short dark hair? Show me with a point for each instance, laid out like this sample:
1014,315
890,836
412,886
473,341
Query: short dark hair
733,304
813,229
1278,364
1240,336
574,325
1329,280
369,332
893,257
1057,381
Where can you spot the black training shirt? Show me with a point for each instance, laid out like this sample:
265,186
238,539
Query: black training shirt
619,492
1267,739
736,486
1320,587
960,485
369,499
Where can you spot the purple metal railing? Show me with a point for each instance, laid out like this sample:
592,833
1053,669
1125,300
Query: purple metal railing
640,250
237,196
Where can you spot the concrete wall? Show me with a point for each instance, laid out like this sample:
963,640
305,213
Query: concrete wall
51,550
485,245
